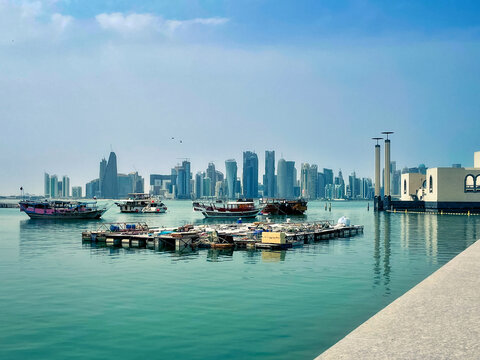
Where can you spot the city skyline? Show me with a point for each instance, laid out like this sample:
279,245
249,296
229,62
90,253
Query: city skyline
314,80
296,176
309,183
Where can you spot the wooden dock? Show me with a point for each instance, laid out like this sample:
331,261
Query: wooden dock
232,236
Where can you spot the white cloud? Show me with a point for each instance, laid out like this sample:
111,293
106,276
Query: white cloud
31,9
60,21
127,23
134,22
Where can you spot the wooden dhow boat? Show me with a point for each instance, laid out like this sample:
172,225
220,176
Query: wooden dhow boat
61,209
227,209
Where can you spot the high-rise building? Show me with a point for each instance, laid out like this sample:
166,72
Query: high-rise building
212,175
207,187
161,185
199,176
109,182
250,175
282,178
125,185
92,188
286,179
321,186
65,186
308,181
46,185
183,177
101,174
328,175
269,186
231,172
53,186
76,192
339,186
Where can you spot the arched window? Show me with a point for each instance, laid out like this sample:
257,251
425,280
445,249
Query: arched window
477,183
469,183
430,187
405,186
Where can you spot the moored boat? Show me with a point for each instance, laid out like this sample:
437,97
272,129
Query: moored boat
141,203
227,209
61,209
283,207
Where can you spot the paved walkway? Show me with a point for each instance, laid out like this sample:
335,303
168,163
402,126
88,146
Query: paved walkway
437,319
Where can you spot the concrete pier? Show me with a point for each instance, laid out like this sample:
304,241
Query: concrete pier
437,319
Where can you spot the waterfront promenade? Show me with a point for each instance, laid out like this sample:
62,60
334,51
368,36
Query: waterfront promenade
437,319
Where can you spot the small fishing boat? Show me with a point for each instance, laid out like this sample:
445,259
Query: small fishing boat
227,209
61,210
141,203
283,207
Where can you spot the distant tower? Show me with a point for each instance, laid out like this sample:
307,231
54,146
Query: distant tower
109,186
231,172
103,168
212,175
46,185
269,182
250,175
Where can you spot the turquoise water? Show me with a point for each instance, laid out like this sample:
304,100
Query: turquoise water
61,299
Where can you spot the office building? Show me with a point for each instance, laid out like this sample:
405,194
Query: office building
109,182
231,172
250,175
76,192
269,186
65,186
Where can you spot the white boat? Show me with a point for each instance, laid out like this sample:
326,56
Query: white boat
141,203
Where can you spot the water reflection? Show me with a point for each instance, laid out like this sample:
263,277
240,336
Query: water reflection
216,255
382,250
273,256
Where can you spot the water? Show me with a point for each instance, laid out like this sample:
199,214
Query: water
61,299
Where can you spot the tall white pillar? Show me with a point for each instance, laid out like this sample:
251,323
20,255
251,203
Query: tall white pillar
377,170
387,168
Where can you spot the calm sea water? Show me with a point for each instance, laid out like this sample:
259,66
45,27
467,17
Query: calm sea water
61,299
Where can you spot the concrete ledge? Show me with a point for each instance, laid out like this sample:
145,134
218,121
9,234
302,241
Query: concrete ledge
437,319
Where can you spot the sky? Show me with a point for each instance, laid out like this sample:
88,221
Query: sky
312,80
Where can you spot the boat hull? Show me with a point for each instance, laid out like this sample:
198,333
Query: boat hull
96,214
230,214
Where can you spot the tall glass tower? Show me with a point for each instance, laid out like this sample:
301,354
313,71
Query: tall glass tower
250,175
269,180
231,169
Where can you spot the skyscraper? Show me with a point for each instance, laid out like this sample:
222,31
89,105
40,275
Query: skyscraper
65,186
231,172
46,185
199,176
109,183
321,186
282,178
76,192
308,181
183,180
101,175
53,186
328,174
291,179
269,185
212,175
286,179
250,175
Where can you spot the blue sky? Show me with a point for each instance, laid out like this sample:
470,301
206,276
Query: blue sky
313,80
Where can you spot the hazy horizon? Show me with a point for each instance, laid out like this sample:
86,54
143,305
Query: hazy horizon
313,81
